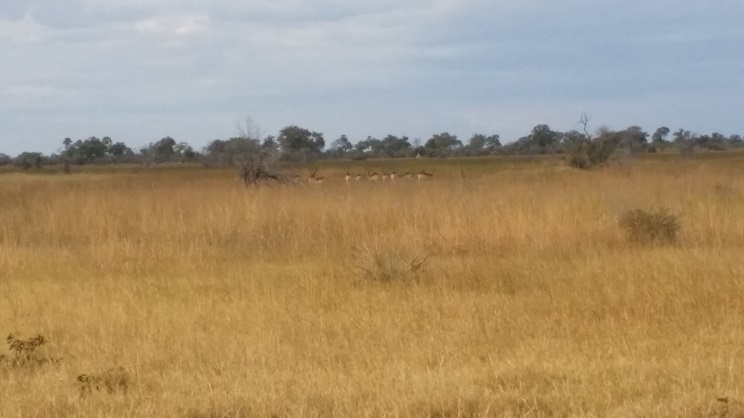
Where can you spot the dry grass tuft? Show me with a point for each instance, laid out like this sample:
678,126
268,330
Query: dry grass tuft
659,227
389,265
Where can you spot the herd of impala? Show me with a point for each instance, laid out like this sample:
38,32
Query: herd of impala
314,178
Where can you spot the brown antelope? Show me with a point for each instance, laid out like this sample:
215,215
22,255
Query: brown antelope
393,176
407,175
384,176
372,176
313,178
358,177
423,175
347,177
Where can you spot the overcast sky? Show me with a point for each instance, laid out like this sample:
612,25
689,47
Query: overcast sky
140,70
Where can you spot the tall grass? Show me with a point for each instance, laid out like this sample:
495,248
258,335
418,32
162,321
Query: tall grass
224,301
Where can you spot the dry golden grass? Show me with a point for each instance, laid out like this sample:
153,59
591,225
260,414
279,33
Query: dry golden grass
222,301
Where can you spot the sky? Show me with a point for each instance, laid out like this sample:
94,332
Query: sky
141,70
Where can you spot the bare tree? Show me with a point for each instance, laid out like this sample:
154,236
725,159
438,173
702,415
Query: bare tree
256,164
584,121
249,131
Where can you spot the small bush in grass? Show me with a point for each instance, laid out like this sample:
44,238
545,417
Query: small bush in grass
388,265
658,227
589,153
25,353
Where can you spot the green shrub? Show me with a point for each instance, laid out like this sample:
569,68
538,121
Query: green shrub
590,153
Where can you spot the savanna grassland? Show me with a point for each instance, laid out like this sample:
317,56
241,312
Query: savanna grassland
499,288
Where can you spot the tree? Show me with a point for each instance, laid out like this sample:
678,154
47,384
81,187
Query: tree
633,139
300,143
681,135
242,146
85,151
480,144
442,144
586,152
184,152
255,160
28,160
214,152
735,141
714,142
270,145
659,137
235,150
544,137
5,159
542,140
118,150
392,146
164,150
369,145
584,122
684,141
341,146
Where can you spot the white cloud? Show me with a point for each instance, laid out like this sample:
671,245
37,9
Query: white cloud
409,67
174,26
26,29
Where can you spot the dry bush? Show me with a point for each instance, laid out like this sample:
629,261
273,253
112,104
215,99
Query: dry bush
656,227
389,265
590,153
26,353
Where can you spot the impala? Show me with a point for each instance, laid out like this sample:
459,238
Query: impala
422,175
347,177
313,178
372,176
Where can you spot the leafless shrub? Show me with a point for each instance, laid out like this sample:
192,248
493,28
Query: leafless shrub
254,171
25,352
657,227
389,265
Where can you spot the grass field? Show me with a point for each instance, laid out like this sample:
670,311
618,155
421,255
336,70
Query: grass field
500,288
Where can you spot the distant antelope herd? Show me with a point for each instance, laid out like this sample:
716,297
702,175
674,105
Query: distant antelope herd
391,176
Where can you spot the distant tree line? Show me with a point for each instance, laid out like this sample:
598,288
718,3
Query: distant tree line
294,143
